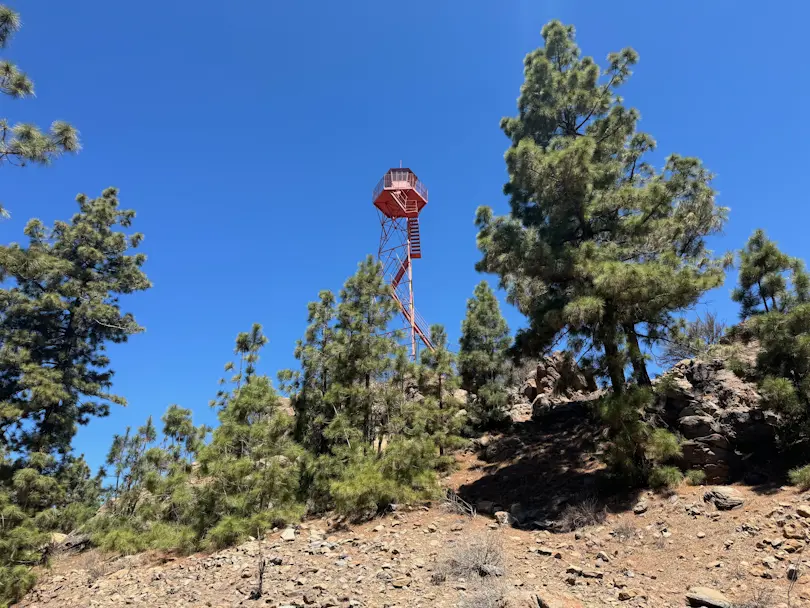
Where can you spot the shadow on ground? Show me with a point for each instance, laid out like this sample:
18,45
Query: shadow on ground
547,473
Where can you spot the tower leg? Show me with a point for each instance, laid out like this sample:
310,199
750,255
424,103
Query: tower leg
410,304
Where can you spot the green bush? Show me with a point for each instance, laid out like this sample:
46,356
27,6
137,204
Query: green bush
627,433
801,477
172,537
15,582
124,541
779,394
695,477
662,446
665,477
362,490
230,530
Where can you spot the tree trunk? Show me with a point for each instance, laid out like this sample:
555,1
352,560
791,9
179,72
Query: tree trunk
615,368
636,356
613,358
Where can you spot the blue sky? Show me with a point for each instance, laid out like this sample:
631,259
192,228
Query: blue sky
249,135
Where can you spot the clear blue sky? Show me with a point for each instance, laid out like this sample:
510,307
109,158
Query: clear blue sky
249,135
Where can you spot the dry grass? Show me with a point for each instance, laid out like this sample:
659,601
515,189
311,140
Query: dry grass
625,531
587,512
455,504
486,596
760,598
479,557
95,563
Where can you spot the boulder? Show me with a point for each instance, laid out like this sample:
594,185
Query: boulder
707,597
504,518
709,455
529,389
724,499
693,427
502,449
57,538
485,507
546,600
460,395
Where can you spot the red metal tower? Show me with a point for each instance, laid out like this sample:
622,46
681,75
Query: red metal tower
399,197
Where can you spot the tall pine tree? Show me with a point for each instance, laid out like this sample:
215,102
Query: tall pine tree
438,382
365,348
308,386
483,361
599,246
60,309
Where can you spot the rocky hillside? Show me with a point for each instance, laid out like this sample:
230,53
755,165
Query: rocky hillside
704,546
529,522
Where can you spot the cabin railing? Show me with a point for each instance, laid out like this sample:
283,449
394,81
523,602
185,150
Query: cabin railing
397,179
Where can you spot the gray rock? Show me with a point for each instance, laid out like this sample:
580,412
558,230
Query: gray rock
504,518
485,507
706,455
693,427
793,572
719,413
288,534
707,597
724,498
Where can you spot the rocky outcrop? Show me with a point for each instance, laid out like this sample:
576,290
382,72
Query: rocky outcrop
718,414
557,374
558,386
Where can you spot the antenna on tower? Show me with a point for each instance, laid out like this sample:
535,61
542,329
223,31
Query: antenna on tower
399,198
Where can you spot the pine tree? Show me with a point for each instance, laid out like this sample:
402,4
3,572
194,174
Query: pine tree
252,467
598,244
60,309
483,361
25,143
763,278
774,297
43,496
309,386
365,349
253,464
438,382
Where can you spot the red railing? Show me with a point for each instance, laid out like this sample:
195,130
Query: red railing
397,178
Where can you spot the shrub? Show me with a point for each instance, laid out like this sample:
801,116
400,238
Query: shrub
695,477
478,557
665,477
171,537
15,582
801,477
587,512
627,432
625,531
124,540
229,531
662,446
779,394
486,596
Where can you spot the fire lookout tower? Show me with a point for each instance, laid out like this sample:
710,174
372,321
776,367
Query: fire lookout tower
399,198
